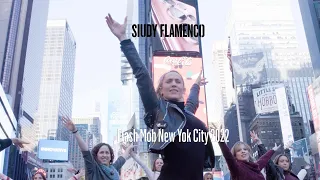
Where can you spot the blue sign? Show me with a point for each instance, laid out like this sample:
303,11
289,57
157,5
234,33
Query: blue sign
53,150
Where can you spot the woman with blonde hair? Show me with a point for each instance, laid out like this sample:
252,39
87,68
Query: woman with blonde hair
241,164
166,110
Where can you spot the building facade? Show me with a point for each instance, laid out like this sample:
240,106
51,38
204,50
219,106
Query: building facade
273,34
56,90
58,171
32,71
222,72
268,129
310,12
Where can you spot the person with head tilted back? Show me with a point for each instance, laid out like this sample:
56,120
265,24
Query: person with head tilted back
165,109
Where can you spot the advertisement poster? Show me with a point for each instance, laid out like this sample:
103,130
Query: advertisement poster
175,12
265,99
249,68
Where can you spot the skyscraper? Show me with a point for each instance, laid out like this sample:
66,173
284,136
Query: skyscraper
32,70
268,26
22,30
119,111
223,74
56,90
310,12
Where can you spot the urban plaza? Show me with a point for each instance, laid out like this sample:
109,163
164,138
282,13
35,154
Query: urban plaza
160,90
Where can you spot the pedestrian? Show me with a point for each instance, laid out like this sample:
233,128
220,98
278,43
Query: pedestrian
241,164
280,168
165,110
99,162
39,176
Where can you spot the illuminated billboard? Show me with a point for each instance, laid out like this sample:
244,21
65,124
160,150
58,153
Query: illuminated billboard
189,68
53,150
175,12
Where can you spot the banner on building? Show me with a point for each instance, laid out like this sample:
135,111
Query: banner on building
265,99
284,115
174,12
314,95
299,155
313,107
249,68
189,68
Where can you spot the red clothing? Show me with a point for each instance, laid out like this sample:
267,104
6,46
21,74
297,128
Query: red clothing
243,170
290,176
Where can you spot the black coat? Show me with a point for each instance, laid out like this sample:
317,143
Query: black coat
274,172
4,143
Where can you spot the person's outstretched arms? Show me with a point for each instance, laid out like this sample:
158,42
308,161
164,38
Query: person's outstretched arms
79,175
4,143
123,158
72,128
144,81
263,160
270,167
148,171
192,103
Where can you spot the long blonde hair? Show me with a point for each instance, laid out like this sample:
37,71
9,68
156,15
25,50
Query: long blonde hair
160,82
235,147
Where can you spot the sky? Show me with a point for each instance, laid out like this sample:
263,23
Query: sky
98,51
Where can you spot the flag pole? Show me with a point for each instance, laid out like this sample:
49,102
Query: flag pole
234,85
238,112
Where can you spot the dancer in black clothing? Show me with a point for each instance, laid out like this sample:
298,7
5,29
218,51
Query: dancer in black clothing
168,112
280,167
4,143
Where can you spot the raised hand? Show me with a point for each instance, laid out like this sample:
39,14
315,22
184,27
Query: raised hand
68,124
119,30
288,145
201,81
82,172
276,147
19,142
255,137
72,170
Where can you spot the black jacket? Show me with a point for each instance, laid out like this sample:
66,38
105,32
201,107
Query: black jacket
4,143
274,172
161,114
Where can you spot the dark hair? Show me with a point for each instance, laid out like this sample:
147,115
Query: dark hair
276,159
41,174
154,165
96,149
158,90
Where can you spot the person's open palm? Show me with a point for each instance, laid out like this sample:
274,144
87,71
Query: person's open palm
276,147
119,30
201,81
68,124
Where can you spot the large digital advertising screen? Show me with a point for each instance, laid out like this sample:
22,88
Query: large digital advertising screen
175,12
53,150
189,68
